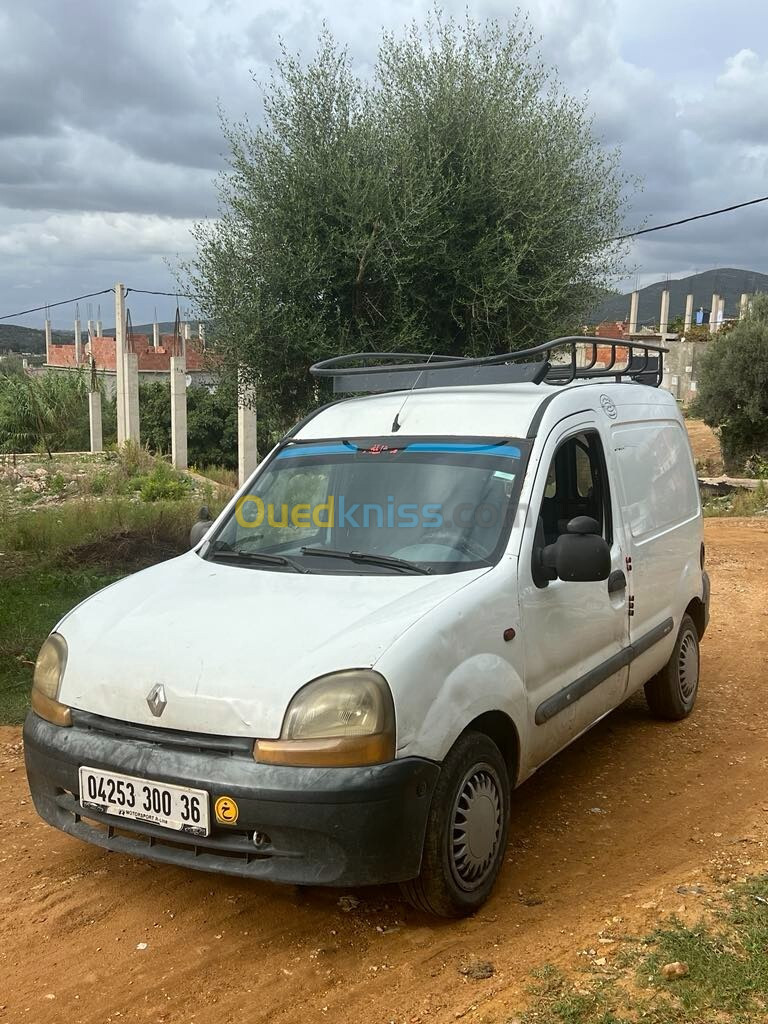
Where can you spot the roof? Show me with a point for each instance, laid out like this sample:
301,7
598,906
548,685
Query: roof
490,410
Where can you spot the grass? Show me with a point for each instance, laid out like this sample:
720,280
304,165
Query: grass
727,980
219,474
52,558
738,503
32,604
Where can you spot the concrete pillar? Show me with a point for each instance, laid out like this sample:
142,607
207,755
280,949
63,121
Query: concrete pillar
120,361
247,433
91,328
713,312
186,334
179,411
132,430
78,342
201,335
633,305
743,305
99,329
688,312
47,341
94,419
720,312
664,312
155,335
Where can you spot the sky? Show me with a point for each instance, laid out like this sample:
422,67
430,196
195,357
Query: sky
110,137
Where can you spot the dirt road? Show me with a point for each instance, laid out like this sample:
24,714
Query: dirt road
601,838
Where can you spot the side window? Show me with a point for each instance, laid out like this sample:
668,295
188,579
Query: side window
576,486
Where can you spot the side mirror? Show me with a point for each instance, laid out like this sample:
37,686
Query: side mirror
579,556
200,528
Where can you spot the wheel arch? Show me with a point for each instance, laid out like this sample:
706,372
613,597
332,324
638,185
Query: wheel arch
499,727
698,612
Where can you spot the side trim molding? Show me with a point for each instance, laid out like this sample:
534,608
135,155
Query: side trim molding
585,684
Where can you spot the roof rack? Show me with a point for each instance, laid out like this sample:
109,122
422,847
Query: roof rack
578,360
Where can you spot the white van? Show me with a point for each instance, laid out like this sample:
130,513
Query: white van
418,598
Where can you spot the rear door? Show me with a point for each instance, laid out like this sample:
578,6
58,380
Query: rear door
575,634
662,511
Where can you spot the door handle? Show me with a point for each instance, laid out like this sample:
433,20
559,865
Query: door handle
617,581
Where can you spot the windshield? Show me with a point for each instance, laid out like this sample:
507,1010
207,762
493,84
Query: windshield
374,506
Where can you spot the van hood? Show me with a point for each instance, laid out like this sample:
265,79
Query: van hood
230,644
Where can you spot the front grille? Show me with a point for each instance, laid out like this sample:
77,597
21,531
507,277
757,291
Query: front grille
192,742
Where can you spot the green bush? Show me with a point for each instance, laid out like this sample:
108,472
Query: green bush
733,388
211,423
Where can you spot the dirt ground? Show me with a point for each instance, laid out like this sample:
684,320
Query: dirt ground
602,837
706,448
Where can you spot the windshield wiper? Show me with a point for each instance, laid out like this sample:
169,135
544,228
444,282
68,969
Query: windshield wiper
229,554
368,557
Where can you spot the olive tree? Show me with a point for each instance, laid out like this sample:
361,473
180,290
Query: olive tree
456,201
733,387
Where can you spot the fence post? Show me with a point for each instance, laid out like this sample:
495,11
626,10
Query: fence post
78,342
131,376
120,362
688,312
179,411
633,305
94,420
247,431
664,313
715,309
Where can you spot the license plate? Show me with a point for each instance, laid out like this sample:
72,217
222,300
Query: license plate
172,807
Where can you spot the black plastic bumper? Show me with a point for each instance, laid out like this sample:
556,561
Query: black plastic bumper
337,826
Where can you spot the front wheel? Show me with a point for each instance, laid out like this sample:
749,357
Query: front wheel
671,694
466,830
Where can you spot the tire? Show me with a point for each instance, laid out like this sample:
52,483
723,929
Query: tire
671,694
456,878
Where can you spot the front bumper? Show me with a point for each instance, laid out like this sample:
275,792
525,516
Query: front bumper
324,826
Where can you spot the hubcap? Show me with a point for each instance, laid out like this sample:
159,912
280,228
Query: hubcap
688,666
476,827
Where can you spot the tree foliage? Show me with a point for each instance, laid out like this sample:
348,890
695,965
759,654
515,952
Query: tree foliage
733,387
211,423
456,201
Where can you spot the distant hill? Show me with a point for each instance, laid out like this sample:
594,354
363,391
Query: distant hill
29,339
727,282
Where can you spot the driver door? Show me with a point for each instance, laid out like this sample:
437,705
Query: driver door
576,634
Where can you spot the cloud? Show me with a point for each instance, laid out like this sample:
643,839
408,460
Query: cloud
735,109
110,138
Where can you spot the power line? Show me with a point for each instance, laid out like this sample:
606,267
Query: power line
173,295
687,220
51,305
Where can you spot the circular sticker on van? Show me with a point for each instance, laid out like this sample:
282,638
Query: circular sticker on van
609,408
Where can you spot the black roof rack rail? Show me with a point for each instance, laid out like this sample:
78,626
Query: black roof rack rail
402,371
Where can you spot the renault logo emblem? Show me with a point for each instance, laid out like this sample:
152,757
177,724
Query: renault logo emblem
156,699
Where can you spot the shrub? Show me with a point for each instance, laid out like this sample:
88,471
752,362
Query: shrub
733,388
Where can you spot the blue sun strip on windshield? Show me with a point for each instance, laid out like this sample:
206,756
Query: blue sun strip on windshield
304,450
505,451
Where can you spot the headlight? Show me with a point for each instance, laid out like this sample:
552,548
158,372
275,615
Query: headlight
342,719
49,671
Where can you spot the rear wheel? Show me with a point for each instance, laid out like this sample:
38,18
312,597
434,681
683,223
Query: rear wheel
672,693
466,831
